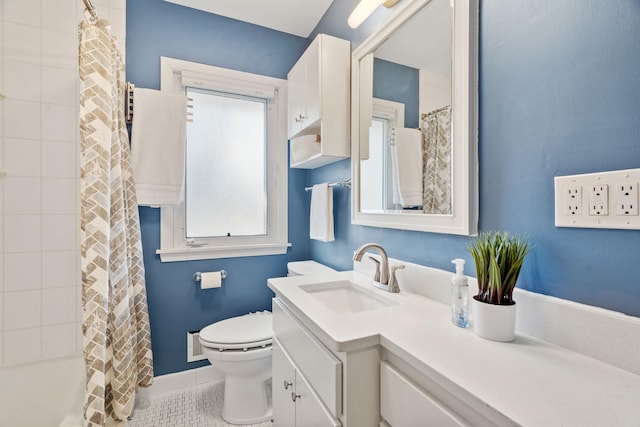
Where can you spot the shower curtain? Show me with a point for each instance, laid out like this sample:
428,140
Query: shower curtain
115,322
436,152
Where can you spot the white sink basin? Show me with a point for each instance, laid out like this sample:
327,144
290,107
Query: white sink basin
346,297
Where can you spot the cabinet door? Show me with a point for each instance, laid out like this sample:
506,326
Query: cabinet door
295,97
283,383
310,412
312,83
404,404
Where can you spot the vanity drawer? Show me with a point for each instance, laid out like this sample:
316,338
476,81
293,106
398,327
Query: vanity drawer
402,403
319,366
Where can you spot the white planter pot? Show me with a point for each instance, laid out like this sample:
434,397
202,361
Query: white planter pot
494,322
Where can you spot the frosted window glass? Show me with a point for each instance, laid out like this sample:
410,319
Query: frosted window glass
371,198
225,171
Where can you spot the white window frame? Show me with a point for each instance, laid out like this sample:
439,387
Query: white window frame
173,244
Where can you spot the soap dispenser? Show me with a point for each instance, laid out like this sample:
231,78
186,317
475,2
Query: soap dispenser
459,296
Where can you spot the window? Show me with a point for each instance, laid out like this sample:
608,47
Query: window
235,176
378,183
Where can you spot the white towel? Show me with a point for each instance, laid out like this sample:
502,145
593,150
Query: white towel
157,146
408,171
321,216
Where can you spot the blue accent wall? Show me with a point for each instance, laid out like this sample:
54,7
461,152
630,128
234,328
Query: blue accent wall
176,304
398,83
559,95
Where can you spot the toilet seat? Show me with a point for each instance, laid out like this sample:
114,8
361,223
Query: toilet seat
242,333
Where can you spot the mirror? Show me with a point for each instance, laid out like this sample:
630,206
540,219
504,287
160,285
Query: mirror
414,138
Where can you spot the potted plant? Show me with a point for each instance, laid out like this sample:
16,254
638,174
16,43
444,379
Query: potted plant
498,257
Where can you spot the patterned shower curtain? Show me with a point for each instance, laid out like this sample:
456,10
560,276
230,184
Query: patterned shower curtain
115,321
436,151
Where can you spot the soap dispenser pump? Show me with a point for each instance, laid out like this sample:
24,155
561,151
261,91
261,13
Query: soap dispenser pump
459,295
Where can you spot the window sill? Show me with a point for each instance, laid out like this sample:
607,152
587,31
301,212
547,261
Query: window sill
199,253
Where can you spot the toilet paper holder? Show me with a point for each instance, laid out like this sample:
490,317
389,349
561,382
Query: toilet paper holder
197,276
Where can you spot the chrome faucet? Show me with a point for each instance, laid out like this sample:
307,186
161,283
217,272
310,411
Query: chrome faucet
384,267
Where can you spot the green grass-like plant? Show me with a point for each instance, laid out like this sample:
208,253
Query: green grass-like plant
498,257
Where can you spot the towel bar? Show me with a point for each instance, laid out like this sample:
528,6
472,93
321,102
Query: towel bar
346,183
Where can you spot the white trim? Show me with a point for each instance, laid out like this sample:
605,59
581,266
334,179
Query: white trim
464,220
173,245
180,380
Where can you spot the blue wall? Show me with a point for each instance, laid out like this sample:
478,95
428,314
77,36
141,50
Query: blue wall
398,83
176,304
559,95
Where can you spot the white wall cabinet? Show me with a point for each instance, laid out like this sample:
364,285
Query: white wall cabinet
318,103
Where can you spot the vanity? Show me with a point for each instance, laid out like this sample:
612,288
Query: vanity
346,353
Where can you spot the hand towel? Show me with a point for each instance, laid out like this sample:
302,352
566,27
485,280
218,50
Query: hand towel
408,171
157,146
321,216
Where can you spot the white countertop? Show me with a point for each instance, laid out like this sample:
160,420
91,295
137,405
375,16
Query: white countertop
529,381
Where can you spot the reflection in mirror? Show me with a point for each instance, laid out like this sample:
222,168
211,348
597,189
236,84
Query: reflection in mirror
414,150
409,162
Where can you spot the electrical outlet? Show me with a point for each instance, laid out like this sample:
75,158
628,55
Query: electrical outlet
599,200
626,199
573,200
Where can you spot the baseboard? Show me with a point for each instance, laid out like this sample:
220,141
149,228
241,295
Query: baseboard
185,379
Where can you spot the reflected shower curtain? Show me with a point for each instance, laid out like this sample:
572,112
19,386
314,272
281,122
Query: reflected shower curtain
115,322
436,152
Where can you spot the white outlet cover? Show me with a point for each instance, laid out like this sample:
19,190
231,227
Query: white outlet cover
601,199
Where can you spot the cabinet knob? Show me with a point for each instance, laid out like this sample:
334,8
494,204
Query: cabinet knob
287,384
294,396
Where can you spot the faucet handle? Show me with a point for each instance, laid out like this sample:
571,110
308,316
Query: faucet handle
376,278
393,281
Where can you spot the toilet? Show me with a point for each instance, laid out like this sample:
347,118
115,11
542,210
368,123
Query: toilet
240,348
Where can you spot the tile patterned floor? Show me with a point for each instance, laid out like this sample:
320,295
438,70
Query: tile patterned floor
199,406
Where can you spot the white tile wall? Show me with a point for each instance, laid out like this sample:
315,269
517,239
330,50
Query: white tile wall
39,150
22,309
59,306
21,195
59,269
22,119
58,159
23,271
22,157
60,15
59,340
22,346
22,43
59,86
22,233
23,12
59,196
22,81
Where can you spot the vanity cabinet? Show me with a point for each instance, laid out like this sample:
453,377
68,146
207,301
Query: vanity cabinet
294,401
318,103
307,378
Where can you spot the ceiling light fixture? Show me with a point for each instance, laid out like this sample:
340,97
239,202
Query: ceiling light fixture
366,8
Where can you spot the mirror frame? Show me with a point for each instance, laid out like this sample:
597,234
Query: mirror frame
464,219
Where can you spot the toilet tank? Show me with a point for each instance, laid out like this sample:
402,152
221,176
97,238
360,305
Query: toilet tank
303,268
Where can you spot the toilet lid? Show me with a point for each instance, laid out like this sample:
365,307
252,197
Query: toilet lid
248,329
